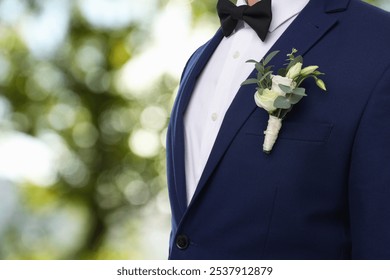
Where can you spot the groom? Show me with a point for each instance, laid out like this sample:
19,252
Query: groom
324,190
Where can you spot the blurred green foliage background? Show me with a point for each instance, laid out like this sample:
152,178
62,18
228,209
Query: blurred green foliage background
86,88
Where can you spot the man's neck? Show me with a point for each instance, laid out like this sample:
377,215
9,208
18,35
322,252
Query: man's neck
252,2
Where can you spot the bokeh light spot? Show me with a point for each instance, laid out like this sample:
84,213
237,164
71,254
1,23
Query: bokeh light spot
144,143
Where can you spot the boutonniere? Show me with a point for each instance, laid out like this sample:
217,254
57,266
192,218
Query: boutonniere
277,94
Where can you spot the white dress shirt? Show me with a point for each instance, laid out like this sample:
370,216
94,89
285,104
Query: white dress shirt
221,80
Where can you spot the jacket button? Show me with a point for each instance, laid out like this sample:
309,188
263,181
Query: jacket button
182,242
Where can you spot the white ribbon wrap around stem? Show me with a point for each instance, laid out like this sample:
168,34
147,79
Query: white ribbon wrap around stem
271,134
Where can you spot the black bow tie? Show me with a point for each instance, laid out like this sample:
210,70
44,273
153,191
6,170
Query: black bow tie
258,16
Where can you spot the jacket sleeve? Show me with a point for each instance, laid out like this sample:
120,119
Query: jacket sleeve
369,180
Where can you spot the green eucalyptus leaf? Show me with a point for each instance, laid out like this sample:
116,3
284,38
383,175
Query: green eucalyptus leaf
299,92
266,77
251,61
259,68
294,99
291,64
268,74
285,89
299,58
294,61
282,72
249,82
282,102
269,57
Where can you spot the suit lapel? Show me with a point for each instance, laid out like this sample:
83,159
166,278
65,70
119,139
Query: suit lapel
200,60
308,28
196,69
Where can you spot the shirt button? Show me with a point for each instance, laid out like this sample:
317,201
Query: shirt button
236,55
214,117
182,242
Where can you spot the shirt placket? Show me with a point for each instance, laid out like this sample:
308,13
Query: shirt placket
225,91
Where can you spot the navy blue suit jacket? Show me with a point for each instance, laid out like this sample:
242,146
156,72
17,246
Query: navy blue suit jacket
324,191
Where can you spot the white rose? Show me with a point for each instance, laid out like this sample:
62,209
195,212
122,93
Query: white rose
279,80
266,100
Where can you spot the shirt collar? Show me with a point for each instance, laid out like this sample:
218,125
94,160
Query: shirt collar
282,11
